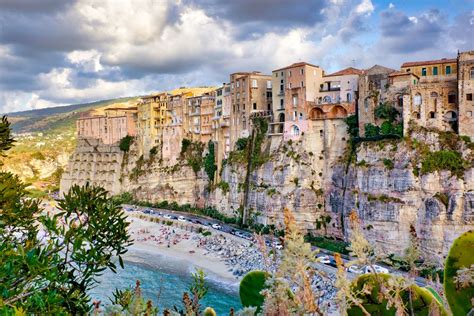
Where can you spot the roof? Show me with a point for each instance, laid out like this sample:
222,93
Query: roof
429,62
346,71
299,64
378,69
402,73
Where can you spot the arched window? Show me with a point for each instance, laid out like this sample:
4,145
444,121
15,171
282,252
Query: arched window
434,94
417,99
295,131
327,99
366,104
281,117
400,101
416,115
452,97
349,97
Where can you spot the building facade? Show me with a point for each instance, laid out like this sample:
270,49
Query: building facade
251,95
110,129
221,124
466,93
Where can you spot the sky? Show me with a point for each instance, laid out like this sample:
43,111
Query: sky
58,52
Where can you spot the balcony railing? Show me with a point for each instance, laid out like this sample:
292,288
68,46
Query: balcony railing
326,89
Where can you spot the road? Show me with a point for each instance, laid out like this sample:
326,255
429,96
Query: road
208,222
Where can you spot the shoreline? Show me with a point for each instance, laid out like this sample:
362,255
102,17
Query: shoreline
152,239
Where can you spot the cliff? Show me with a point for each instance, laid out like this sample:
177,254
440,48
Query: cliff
392,184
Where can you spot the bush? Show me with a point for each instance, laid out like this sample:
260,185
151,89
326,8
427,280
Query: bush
185,143
388,163
371,130
352,125
386,112
209,162
154,151
241,143
224,186
125,143
443,160
329,244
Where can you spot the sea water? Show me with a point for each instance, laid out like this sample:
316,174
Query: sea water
164,280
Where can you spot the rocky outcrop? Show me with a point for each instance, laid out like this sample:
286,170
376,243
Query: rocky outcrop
311,176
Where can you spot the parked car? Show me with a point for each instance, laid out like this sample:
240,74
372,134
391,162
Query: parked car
146,211
277,245
198,222
324,259
332,262
216,226
174,217
355,269
377,268
167,216
181,219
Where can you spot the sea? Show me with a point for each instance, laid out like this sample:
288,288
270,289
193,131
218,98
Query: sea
164,280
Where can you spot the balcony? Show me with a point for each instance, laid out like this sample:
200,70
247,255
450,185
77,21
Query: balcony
261,113
329,89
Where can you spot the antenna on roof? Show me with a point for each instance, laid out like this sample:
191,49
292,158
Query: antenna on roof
353,62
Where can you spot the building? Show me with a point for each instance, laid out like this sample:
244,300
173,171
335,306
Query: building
251,96
109,128
433,95
337,95
221,124
466,92
295,88
373,90
152,118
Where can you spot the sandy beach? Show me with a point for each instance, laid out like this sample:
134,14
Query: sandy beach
177,243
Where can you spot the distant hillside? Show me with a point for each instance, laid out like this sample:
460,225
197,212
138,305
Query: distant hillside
48,119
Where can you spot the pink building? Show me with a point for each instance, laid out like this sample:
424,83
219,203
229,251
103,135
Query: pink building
109,129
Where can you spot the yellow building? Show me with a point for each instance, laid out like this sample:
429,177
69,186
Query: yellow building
432,68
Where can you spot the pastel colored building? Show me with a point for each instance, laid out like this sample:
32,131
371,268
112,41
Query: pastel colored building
221,124
466,93
251,96
108,129
294,88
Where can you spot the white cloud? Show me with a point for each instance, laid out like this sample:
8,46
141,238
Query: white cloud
391,6
365,7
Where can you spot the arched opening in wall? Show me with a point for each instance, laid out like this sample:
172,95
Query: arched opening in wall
327,99
400,101
416,115
295,130
431,115
281,117
338,112
316,114
434,97
451,118
451,97
417,100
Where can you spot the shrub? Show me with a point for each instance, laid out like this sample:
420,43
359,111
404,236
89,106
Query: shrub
388,163
209,162
443,160
224,186
185,143
352,125
154,151
241,143
386,112
125,143
371,130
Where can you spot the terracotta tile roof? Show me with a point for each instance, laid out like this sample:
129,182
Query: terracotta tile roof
347,71
402,73
429,62
299,64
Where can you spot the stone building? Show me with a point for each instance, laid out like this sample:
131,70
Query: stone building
373,89
433,97
466,92
109,128
337,95
294,88
251,95
221,124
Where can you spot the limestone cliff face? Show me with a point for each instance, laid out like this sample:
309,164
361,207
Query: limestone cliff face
311,176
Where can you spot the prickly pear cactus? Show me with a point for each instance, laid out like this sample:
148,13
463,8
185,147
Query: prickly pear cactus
458,274
423,301
250,287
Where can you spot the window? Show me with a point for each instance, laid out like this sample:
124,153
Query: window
417,99
432,115
469,97
295,131
281,103
451,97
281,88
448,70
295,100
276,74
269,107
435,71
269,84
349,97
289,73
469,113
302,84
321,133
237,84
423,71
301,116
301,71
472,73
400,101
254,83
294,115
255,106
327,99
366,104
282,73
289,85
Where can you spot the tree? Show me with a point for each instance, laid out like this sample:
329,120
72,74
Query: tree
125,143
49,262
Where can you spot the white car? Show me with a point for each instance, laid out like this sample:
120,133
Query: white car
324,259
277,245
181,219
216,226
377,268
355,269
167,216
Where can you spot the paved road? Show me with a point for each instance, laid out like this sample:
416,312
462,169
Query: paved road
208,222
